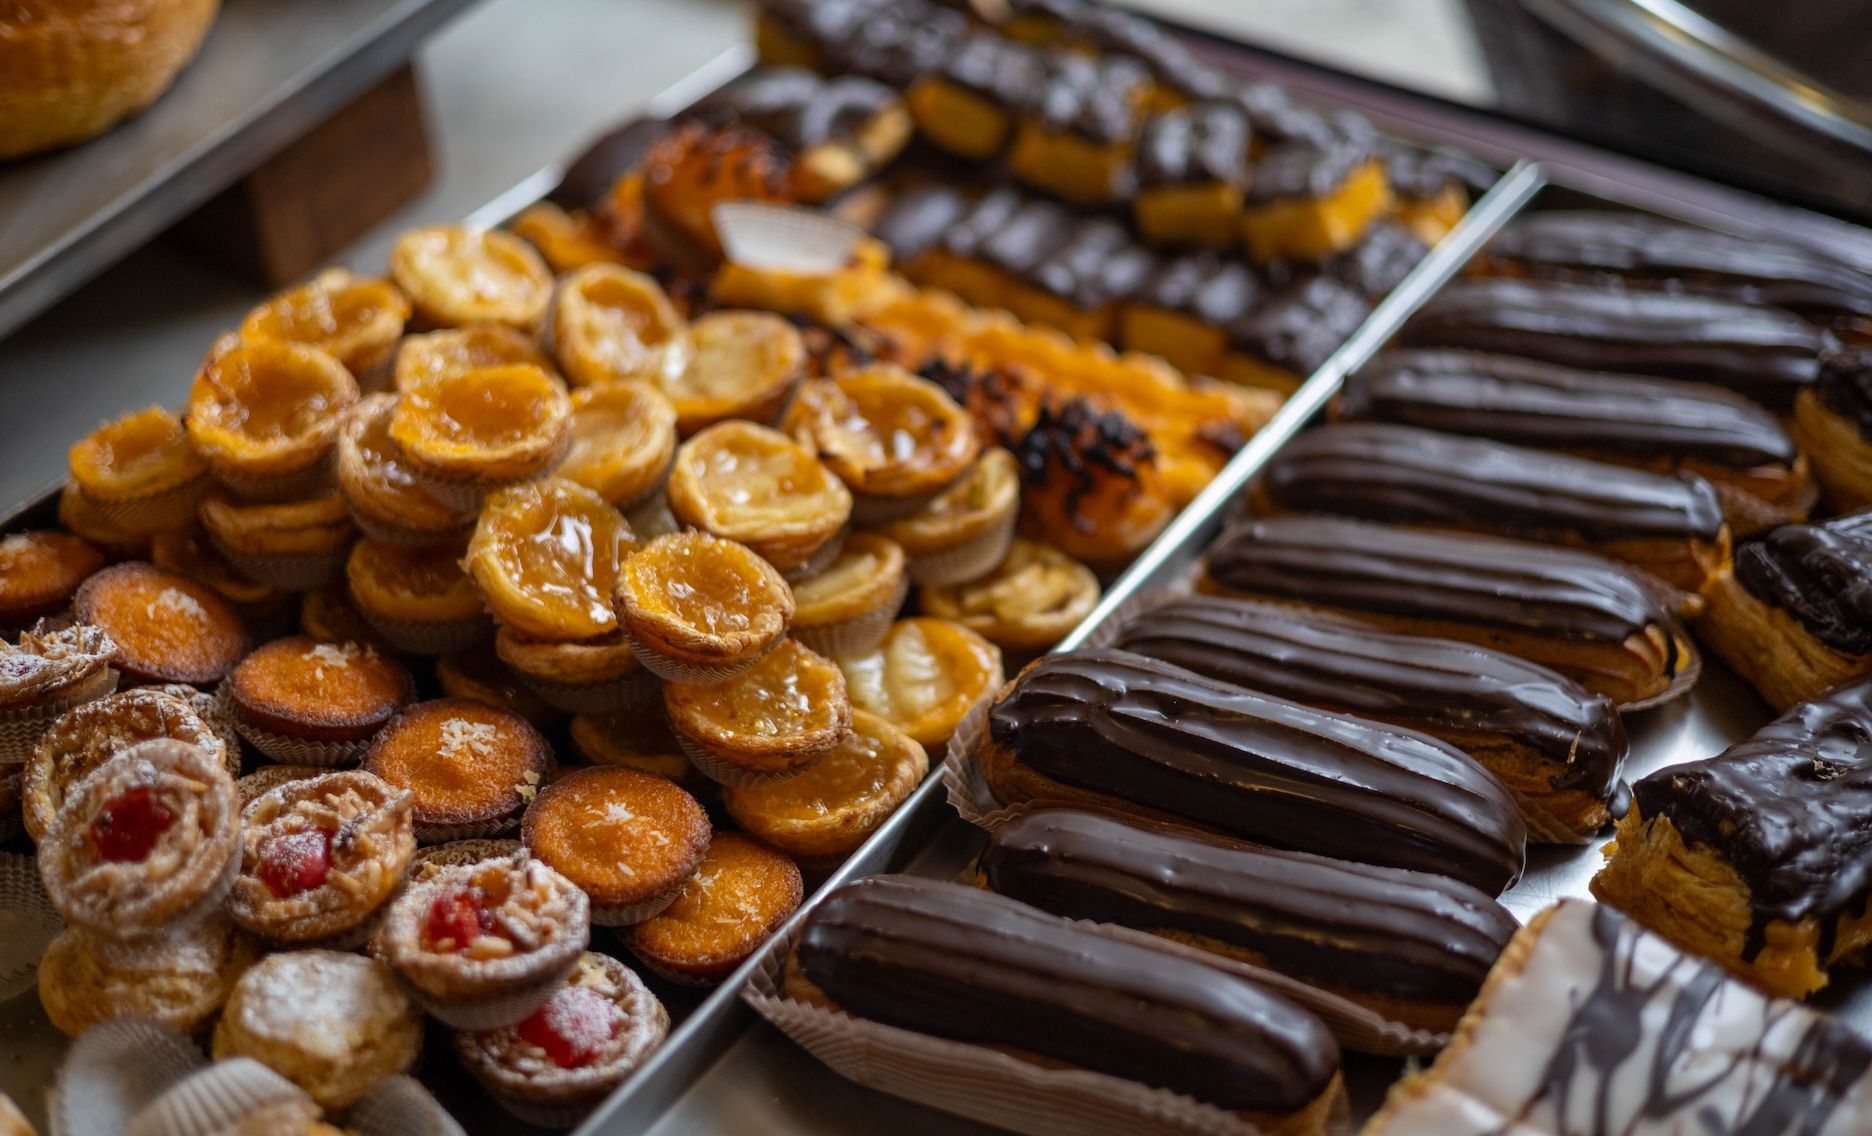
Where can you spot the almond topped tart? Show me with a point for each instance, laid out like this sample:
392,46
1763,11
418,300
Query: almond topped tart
479,674
623,442
295,546
354,319
40,571
189,552
555,1065
609,324
629,840
965,531
177,977
768,723
470,768
148,839
1032,601
697,608
741,365
846,609
643,742
388,500
894,439
755,485
264,416
140,472
482,945
307,702
167,628
737,899
545,555
456,275
420,600
467,433
320,858
44,675
924,677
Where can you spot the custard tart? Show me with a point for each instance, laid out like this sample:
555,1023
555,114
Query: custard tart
467,348
966,530
610,324
355,320
294,545
456,275
846,609
305,702
1032,601
189,552
40,571
478,429
479,674
83,518
545,554
894,439
737,899
471,768
827,811
623,441
86,737
643,742
140,472
167,628
698,608
588,676
179,978
754,485
571,241
741,365
629,840
924,677
420,600
265,416
320,857
767,723
387,499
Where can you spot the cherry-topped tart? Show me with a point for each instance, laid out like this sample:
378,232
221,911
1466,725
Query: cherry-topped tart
129,825
573,1028
296,862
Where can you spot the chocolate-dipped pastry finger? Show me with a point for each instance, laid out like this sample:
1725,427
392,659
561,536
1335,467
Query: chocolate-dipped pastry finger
1191,166
1079,282
1759,858
958,962
1795,618
1590,1026
1670,525
1076,137
1657,424
968,106
1768,354
1183,309
1410,946
1580,614
1559,746
1278,344
1309,201
838,131
1112,730
1833,423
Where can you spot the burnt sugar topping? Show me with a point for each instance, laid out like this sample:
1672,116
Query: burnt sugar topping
1820,574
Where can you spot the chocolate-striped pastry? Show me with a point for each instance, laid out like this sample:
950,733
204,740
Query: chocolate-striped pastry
1183,309
1113,730
1600,247
958,962
969,105
1768,354
1278,344
1657,424
1589,1026
1411,946
838,131
1795,618
1380,261
1670,525
1310,201
1018,228
917,219
1192,163
1077,136
1577,613
1833,423
1557,745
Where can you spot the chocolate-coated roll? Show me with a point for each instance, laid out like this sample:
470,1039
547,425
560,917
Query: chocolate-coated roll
1111,729
1558,745
1380,262
1279,343
1310,201
1191,165
1411,946
838,131
1670,525
968,104
1765,353
962,963
1833,423
1580,614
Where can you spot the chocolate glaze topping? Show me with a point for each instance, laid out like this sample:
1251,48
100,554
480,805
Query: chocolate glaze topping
1301,325
800,109
960,962
1030,234
1008,74
917,219
1821,574
1379,262
1194,145
967,236
1422,174
1444,688
1558,408
1845,387
1790,809
1307,169
1202,285
1171,64
1097,263
1260,768
1765,353
1380,472
898,44
1096,99
1396,934
1355,565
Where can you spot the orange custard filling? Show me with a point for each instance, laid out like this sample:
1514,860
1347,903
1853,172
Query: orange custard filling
458,349
612,324
355,321
144,452
885,431
268,403
546,555
792,695
455,275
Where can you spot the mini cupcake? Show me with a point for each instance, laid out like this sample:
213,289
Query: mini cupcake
306,702
166,628
421,601
740,896
140,473
630,840
767,723
40,571
697,608
470,768
385,497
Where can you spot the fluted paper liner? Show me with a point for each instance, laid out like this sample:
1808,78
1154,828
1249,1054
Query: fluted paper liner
1689,669
290,750
22,727
671,669
270,777
777,238
486,1013
28,923
385,533
288,571
870,509
623,915
216,1098
457,852
114,1071
722,771
819,561
164,510
966,561
859,634
476,830
295,486
413,637
637,690
400,1106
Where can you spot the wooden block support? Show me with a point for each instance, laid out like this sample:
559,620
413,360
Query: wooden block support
324,191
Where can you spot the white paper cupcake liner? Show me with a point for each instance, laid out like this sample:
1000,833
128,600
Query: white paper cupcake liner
478,830
401,537
696,674
163,511
216,1098
295,486
114,1071
637,690
290,750
1689,669
417,638
287,571
723,771
1542,826
28,923
672,976
625,914
858,634
21,728
784,238
400,1106
966,561
869,509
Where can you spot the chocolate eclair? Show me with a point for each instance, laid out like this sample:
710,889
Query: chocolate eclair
1182,310
1759,858
1108,729
962,963
1642,251
1662,425
1311,200
1280,343
1178,76
969,104
839,132
1670,525
1833,423
1768,354
1559,746
1077,135
1410,946
1795,618
1192,163
1590,1026
1580,614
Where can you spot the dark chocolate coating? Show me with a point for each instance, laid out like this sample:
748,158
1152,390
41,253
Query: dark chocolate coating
1821,574
1097,263
1559,408
1274,115
963,963
968,236
1555,593
1306,170
1380,261
1594,246
1171,64
1010,75
1301,325
1028,236
1260,768
896,44
1383,932
1205,143
1845,387
1204,286
1765,353
1094,99
1418,175
1088,261
1444,688
918,219
1380,472
1790,809
800,109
